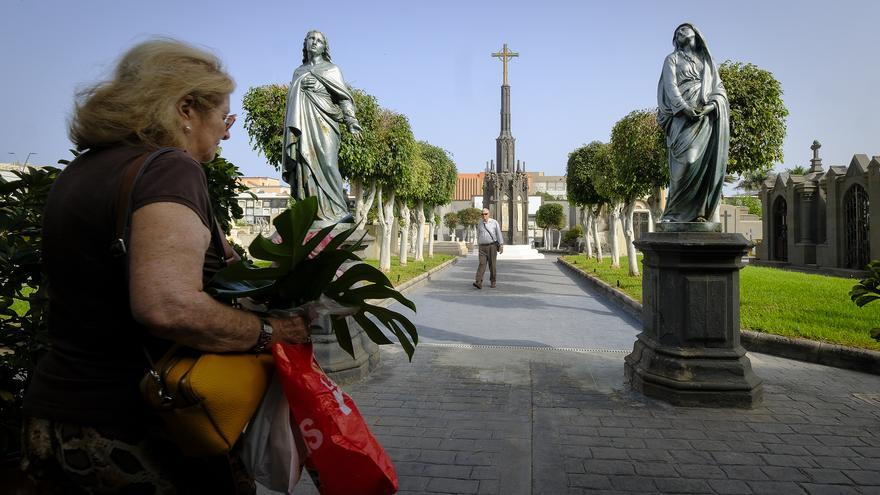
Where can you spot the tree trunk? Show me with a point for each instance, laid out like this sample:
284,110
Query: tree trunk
587,221
403,208
613,245
628,234
363,204
595,228
431,229
559,238
656,207
412,234
385,218
420,231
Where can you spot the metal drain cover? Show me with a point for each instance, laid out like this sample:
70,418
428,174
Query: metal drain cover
522,347
872,399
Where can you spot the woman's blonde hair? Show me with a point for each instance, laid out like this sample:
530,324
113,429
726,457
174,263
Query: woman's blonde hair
138,106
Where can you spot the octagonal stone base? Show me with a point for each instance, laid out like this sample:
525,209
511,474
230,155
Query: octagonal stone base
693,377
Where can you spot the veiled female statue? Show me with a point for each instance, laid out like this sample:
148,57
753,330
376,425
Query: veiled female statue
318,101
694,112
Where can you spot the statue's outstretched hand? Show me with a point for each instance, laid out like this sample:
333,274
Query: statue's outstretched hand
690,113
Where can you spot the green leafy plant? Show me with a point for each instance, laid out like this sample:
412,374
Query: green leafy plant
750,202
867,290
571,236
305,266
23,292
223,190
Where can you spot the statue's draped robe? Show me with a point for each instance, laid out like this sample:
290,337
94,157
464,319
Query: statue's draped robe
312,136
697,149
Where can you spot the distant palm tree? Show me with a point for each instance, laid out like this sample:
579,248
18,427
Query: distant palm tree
751,180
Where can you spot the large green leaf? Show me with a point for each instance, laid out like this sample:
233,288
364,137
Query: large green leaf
295,278
343,335
359,273
373,331
264,249
385,314
374,291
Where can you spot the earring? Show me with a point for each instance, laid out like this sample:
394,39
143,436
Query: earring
187,128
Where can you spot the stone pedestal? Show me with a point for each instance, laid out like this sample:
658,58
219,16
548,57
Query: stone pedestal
689,351
338,364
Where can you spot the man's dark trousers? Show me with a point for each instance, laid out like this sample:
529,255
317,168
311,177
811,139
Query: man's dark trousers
488,254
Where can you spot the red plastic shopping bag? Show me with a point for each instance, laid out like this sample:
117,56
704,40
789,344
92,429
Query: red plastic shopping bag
341,449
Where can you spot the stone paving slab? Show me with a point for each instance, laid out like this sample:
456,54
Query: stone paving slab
488,410
506,421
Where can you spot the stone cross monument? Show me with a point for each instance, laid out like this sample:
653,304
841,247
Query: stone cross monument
506,188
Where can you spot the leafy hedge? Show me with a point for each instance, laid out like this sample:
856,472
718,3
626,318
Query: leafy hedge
23,298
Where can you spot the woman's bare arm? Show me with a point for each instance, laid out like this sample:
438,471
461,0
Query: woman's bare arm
168,243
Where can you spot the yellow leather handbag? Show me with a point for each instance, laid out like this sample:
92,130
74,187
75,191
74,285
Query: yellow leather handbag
206,400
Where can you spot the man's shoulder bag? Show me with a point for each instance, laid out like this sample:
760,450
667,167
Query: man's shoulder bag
205,400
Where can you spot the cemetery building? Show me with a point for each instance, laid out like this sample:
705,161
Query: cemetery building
264,199
468,185
553,185
825,219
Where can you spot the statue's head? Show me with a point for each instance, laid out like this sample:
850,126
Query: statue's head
685,34
315,34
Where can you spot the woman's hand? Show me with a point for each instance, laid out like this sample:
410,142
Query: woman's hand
290,329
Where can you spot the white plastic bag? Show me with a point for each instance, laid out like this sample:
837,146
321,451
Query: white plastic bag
269,449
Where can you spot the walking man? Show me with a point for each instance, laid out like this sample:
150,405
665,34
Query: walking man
490,240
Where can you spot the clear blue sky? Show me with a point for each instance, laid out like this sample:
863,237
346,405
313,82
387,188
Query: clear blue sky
582,66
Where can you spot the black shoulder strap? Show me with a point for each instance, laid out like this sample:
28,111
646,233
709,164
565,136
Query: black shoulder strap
487,231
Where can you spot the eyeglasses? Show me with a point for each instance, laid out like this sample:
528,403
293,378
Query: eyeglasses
229,120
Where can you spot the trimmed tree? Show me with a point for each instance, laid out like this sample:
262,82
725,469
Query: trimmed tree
638,156
581,166
397,152
264,120
359,157
451,221
441,188
757,117
605,182
469,217
550,216
410,194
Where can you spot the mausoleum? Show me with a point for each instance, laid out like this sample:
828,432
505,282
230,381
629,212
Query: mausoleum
826,219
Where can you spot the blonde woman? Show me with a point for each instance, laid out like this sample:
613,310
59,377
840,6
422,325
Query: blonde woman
86,427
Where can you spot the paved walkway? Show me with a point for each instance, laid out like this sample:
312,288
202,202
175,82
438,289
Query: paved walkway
519,390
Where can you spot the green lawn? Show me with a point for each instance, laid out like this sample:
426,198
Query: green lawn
776,301
400,274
